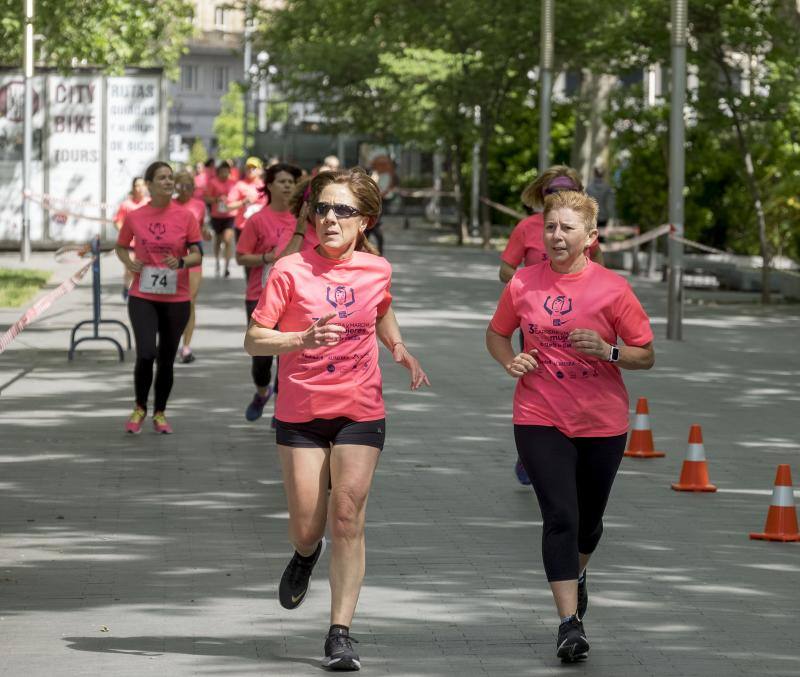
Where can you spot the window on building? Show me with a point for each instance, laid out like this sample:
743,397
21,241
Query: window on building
221,74
220,17
190,81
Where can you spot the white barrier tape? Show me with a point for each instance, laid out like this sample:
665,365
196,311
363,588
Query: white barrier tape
701,247
782,496
636,241
40,306
641,422
502,208
67,213
695,452
47,198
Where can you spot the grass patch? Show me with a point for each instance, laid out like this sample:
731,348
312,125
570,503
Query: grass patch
19,285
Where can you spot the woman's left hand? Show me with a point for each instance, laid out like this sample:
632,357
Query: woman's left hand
589,342
418,376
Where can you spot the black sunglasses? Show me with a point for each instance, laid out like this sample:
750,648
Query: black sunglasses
341,211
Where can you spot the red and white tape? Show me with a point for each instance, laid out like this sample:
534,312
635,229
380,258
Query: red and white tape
41,305
50,202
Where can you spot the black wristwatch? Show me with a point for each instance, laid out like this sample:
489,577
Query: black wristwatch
181,263
614,356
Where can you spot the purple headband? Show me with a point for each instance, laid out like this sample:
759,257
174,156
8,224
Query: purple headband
560,183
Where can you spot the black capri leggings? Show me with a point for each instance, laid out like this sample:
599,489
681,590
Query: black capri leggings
150,320
260,367
572,478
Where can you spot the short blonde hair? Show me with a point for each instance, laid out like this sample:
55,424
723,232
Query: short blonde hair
582,204
533,194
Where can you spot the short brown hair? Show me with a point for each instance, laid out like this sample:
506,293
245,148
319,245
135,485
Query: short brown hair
533,194
580,203
365,191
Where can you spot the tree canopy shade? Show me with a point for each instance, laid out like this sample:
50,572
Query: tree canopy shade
110,34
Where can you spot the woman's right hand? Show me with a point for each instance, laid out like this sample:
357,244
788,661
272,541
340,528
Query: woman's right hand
135,266
323,334
302,219
522,364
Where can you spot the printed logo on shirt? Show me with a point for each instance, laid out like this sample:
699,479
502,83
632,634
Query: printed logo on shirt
157,230
557,308
339,300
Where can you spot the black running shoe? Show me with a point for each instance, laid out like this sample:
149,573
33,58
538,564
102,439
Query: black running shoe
583,596
339,653
572,644
294,582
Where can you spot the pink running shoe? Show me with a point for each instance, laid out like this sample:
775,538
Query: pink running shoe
160,424
134,424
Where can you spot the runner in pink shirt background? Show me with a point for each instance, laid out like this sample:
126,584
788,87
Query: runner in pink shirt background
138,197
570,404
205,172
167,242
223,218
185,190
247,195
526,244
256,251
332,304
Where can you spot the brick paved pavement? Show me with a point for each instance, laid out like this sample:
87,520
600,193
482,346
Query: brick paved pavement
174,545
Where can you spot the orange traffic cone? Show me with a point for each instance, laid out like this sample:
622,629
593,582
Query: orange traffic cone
694,472
782,516
640,445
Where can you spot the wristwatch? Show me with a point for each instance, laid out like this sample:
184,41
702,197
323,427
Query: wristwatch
614,355
181,263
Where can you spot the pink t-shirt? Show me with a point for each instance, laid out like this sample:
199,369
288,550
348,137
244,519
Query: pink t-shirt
198,210
250,190
218,192
201,183
310,240
159,232
129,206
580,395
261,233
330,381
526,243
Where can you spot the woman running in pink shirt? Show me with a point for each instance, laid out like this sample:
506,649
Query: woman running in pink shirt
526,246
570,404
256,250
332,303
167,245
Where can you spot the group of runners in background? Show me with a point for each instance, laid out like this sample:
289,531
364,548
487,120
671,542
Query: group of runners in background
318,296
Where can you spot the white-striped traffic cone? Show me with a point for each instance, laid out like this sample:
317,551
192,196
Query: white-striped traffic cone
782,516
694,472
640,445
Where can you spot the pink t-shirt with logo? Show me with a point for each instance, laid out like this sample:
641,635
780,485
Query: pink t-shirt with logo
261,233
526,243
581,395
160,232
330,381
198,210
218,193
251,190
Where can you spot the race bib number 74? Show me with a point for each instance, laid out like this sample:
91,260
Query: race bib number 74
154,280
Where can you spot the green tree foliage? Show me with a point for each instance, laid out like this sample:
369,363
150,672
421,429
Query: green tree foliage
198,153
111,34
229,124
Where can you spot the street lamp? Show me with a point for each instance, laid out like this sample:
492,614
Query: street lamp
27,131
545,82
677,153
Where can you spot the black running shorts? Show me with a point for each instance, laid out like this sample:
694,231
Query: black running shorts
220,225
323,433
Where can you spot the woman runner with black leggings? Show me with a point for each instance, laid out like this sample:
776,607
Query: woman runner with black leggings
570,404
167,245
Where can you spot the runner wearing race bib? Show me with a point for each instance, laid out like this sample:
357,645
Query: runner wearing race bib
570,408
331,305
256,251
167,242
223,217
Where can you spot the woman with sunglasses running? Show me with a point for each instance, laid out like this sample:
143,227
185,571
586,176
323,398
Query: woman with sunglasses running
332,304
167,245
525,246
256,250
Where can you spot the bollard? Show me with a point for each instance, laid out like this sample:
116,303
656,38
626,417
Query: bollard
96,320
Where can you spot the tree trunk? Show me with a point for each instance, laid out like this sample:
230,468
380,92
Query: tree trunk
458,188
590,143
